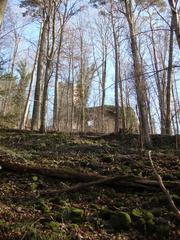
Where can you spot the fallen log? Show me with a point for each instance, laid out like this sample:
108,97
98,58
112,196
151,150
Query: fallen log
108,181
65,174
87,180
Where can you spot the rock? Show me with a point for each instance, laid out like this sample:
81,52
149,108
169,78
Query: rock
120,220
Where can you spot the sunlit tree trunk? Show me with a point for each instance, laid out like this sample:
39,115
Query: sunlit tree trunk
123,112
72,99
104,70
169,83
3,4
27,104
40,73
56,97
49,60
138,75
116,56
82,87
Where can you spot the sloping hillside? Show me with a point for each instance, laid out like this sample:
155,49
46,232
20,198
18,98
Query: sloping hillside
35,204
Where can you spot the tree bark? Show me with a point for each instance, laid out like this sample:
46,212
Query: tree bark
176,18
56,92
169,83
3,4
116,56
158,81
40,72
138,75
27,104
82,86
49,59
104,70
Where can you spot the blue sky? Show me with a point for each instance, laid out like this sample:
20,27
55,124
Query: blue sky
31,31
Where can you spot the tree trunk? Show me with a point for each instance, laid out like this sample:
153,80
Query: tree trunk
116,56
45,97
175,18
56,95
40,72
51,23
82,88
73,90
169,83
27,104
158,82
104,69
3,4
123,112
138,75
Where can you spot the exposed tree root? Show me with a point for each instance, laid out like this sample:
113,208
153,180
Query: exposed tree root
124,183
163,188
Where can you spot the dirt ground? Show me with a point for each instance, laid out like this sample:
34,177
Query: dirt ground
98,212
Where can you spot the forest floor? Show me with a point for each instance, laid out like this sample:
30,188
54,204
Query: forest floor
97,212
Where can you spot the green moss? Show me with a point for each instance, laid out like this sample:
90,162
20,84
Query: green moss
148,215
75,215
35,178
3,226
137,213
34,186
43,206
120,220
143,218
53,225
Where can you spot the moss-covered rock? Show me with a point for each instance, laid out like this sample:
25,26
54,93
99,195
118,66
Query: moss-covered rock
137,213
120,220
143,218
75,215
